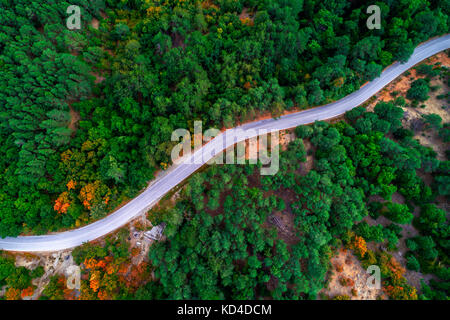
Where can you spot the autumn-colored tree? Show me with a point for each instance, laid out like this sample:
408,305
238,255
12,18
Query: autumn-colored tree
395,286
62,203
12,294
69,294
94,283
71,185
123,268
111,268
101,264
85,292
87,194
135,252
247,21
391,268
369,259
358,245
341,297
66,156
27,292
346,281
154,11
401,292
338,82
396,270
103,295
137,276
90,263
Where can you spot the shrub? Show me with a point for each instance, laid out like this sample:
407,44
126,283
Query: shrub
419,90
412,263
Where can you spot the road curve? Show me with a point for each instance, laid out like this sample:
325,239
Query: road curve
177,173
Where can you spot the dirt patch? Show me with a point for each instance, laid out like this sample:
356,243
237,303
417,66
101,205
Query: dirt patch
177,40
284,220
246,17
98,78
103,14
398,198
209,4
53,263
430,137
380,220
308,165
244,14
74,118
349,278
139,244
95,23
286,137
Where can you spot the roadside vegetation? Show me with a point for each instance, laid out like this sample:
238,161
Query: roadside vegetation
86,118
221,241
87,115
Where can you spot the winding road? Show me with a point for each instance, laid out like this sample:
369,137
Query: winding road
177,173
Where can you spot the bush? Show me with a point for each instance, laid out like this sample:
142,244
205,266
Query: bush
304,132
419,90
444,133
412,263
398,213
400,101
374,209
433,120
411,244
427,70
37,272
355,113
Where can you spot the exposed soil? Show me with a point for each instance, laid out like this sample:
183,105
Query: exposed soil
408,231
308,165
95,23
246,17
286,137
74,118
177,40
98,78
62,263
413,116
53,263
346,265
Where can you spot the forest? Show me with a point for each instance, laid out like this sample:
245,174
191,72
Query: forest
224,248
86,118
221,245
86,115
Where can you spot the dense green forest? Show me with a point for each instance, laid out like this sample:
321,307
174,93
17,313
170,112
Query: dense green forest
224,247
221,244
151,67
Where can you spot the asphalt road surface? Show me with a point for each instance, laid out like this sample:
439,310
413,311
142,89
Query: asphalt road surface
177,173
